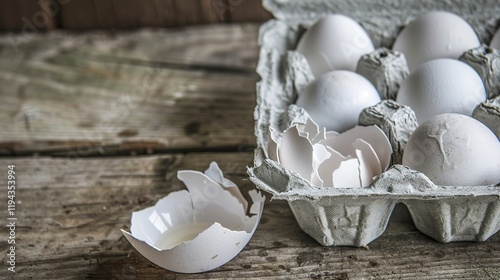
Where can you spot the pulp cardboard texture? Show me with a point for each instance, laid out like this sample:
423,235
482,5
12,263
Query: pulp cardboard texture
355,217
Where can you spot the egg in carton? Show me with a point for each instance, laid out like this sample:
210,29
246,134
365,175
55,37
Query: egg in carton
357,216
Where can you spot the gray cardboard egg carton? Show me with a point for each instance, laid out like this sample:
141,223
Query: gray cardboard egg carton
355,217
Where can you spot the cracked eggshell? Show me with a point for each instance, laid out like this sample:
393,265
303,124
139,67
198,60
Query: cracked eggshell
372,135
437,34
454,150
335,99
334,42
199,229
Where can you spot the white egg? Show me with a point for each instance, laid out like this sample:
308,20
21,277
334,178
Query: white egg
335,99
442,86
495,42
335,42
434,35
454,150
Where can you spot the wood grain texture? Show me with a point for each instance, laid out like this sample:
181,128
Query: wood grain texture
146,91
35,16
27,16
71,210
84,14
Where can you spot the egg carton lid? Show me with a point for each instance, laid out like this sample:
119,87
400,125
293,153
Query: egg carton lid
382,19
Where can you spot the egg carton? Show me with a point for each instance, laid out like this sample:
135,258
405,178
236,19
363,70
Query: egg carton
355,217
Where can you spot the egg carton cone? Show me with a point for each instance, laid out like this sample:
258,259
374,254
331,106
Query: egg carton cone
357,216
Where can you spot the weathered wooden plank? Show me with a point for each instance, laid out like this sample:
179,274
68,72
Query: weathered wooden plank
84,14
123,14
227,47
246,10
88,94
22,15
70,212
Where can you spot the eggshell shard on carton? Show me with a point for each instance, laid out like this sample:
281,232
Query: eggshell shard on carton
199,229
327,158
486,62
355,217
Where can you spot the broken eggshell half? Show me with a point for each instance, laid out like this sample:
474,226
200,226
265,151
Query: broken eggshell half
199,229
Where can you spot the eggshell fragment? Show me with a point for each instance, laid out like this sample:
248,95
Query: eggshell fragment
371,134
272,146
347,175
197,230
326,168
368,160
296,152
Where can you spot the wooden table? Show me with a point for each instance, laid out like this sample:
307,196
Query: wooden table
98,123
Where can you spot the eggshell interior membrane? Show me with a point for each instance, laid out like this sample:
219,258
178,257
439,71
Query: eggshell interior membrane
434,35
296,152
442,86
454,150
335,99
495,42
334,42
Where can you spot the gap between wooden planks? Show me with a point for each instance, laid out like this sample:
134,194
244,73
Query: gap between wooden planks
71,211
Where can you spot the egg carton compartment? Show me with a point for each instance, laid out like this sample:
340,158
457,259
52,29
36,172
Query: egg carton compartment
355,217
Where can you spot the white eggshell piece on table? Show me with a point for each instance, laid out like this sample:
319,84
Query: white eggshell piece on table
373,135
335,99
199,230
454,150
208,200
216,174
296,153
495,42
437,34
326,168
442,86
334,42
347,175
